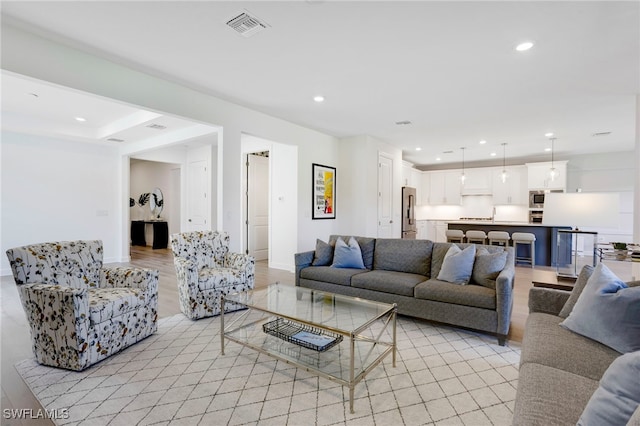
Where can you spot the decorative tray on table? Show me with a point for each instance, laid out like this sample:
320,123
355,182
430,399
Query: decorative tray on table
302,335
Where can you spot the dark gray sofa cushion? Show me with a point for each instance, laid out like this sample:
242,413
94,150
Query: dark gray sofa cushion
487,266
341,276
467,295
583,277
549,344
551,397
388,282
323,256
367,245
412,256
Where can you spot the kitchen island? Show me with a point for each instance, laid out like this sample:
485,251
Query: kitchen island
546,236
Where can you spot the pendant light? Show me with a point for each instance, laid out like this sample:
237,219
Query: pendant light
462,176
503,175
552,172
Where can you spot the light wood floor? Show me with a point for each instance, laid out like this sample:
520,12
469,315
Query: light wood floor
16,340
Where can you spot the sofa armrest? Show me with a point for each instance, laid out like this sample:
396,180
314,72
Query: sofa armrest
59,320
186,275
504,297
547,300
242,262
303,260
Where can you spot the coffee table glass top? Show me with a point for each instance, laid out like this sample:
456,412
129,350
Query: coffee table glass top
338,313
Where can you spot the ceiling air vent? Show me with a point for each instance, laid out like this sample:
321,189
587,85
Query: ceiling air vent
601,134
115,140
157,126
247,24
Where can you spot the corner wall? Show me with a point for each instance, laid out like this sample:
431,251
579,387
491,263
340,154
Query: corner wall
55,190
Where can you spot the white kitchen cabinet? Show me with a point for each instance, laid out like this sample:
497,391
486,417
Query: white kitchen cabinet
514,190
436,230
406,173
425,190
422,229
538,175
416,182
477,181
444,188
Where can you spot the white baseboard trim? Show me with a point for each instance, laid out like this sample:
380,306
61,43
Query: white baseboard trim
283,266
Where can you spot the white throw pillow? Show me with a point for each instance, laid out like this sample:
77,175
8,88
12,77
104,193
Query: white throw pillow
457,265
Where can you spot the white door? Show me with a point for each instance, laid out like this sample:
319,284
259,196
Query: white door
258,206
198,199
385,197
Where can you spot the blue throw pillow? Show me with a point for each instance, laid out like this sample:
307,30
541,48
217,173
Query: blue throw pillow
618,395
607,311
347,256
457,265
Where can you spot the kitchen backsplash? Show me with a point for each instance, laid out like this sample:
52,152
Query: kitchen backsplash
474,206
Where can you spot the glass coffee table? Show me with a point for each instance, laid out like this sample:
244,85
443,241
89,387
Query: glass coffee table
337,337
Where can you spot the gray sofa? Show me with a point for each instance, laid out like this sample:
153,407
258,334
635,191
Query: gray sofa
402,271
559,369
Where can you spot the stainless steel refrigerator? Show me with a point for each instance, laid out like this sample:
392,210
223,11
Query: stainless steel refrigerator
409,229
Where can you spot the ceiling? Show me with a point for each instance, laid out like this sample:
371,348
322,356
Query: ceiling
36,107
450,68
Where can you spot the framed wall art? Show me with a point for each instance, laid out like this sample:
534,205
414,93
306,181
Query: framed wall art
323,192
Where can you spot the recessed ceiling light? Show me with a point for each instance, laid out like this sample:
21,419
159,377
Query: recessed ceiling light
493,154
81,119
547,149
482,142
318,98
418,149
548,135
524,46
438,159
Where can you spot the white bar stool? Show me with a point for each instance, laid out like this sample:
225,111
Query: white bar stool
478,237
454,236
500,237
525,238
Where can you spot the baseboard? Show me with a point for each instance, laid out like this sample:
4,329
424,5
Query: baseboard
284,266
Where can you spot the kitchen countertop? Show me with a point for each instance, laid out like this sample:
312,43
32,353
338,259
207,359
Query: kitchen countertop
500,223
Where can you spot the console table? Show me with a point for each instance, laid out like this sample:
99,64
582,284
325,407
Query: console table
160,233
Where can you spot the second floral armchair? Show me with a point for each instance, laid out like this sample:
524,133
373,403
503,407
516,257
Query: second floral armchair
206,270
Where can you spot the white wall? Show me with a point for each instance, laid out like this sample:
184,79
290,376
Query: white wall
607,172
83,71
59,190
357,176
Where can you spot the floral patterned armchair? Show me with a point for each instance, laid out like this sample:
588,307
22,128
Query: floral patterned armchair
81,312
206,270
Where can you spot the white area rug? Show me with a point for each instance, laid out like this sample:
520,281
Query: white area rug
443,375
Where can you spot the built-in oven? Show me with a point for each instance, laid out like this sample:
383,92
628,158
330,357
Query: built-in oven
536,198
535,216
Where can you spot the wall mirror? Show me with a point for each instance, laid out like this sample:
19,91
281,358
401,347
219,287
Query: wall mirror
156,203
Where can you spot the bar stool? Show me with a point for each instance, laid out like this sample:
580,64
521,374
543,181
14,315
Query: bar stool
478,237
524,238
500,237
454,236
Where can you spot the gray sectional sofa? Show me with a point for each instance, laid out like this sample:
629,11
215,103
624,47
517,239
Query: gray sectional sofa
559,369
403,272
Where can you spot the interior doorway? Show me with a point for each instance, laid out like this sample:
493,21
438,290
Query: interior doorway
257,202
